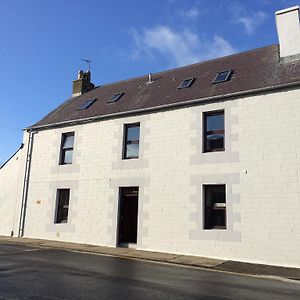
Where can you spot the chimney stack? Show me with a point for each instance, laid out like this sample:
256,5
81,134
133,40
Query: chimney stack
82,84
288,29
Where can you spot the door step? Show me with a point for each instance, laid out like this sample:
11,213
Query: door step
127,245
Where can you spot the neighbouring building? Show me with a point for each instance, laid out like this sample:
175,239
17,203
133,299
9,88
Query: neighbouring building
200,160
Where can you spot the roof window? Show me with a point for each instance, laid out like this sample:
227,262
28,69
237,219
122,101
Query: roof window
87,104
222,76
186,83
115,98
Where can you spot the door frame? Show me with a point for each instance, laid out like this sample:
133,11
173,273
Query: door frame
118,244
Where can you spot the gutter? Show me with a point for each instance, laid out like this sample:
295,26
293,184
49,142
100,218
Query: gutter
167,106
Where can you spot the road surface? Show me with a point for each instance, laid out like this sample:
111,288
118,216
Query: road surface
35,273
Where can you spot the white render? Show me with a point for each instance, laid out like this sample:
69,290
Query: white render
288,28
11,183
260,167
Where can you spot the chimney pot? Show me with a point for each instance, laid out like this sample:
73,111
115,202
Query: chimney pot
80,74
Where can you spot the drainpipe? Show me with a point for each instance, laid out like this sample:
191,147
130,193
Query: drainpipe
26,183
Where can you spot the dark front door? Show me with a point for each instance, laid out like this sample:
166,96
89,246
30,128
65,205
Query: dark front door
128,215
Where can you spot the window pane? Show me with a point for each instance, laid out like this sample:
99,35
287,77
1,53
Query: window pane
215,122
133,133
214,141
68,142
215,206
68,156
132,150
222,76
186,83
131,143
115,97
218,197
219,218
62,206
87,104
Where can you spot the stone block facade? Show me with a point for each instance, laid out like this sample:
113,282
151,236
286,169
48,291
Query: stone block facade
260,167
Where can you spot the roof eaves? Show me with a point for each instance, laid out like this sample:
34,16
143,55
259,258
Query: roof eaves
167,106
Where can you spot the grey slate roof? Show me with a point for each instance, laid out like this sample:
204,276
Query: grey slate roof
253,70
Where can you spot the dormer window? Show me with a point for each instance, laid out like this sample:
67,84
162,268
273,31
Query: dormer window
186,83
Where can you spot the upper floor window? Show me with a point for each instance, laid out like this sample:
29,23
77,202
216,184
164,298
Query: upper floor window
66,151
214,206
62,206
131,141
214,133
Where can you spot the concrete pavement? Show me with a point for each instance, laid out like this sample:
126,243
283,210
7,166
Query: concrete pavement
185,260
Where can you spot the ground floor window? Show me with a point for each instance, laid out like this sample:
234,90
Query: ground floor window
214,206
62,206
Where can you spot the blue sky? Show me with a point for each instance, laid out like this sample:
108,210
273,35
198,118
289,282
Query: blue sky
42,43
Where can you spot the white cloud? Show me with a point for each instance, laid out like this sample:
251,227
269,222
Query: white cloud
249,20
178,47
252,22
220,47
190,13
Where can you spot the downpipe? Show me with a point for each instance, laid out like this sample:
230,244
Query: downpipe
26,183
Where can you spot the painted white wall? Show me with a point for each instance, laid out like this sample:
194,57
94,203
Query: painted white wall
260,167
288,29
11,183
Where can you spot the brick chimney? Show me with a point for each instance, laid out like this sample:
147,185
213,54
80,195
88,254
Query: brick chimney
288,29
82,84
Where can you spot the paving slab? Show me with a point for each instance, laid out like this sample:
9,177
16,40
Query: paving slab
85,248
259,269
149,255
197,261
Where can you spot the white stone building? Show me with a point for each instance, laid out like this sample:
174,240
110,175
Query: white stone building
201,160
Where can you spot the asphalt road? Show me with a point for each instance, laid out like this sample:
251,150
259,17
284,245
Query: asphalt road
33,273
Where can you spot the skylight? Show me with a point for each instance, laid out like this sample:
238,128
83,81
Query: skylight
115,97
87,104
222,76
186,83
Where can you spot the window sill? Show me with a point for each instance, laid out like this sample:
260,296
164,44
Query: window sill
216,150
215,229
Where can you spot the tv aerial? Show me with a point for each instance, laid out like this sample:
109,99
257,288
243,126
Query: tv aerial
88,62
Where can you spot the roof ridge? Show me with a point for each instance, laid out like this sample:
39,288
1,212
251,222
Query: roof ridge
218,58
